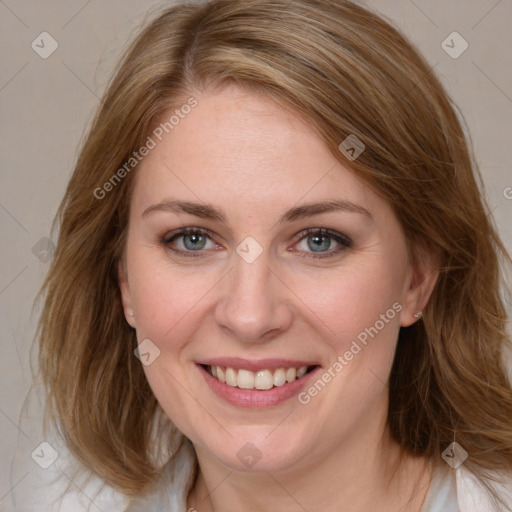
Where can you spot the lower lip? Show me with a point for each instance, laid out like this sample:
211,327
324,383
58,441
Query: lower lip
256,398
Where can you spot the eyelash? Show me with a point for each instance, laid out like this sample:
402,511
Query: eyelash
344,241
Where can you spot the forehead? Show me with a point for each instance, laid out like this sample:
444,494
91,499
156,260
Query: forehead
246,152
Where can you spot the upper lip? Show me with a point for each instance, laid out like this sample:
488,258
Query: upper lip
255,364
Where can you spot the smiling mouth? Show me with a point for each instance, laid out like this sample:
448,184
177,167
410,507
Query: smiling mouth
260,380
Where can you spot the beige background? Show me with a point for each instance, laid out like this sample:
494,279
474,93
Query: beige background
46,104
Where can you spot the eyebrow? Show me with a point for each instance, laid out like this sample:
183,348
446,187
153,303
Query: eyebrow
206,211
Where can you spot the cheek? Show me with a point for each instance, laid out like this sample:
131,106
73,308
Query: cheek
170,307
358,310
352,299
167,301
172,303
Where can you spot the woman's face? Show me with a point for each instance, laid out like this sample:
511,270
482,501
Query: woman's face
250,295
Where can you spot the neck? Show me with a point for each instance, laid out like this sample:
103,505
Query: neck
366,471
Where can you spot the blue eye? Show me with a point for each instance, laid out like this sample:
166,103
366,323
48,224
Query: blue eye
191,242
320,242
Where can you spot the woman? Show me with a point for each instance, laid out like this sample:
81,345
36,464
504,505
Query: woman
277,284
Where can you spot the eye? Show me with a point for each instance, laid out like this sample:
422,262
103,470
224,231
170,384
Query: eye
322,243
316,243
188,241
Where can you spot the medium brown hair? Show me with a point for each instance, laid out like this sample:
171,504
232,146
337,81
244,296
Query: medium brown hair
349,73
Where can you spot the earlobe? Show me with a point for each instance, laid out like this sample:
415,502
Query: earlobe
122,278
423,277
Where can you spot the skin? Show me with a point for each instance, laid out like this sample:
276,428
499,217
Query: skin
254,160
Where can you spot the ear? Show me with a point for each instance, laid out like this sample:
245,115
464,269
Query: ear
126,298
422,278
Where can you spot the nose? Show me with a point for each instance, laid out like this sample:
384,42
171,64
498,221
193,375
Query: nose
254,306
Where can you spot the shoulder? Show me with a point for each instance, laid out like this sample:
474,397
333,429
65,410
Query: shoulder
472,496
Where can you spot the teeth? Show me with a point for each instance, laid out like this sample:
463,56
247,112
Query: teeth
291,374
231,377
279,377
245,379
262,380
302,371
